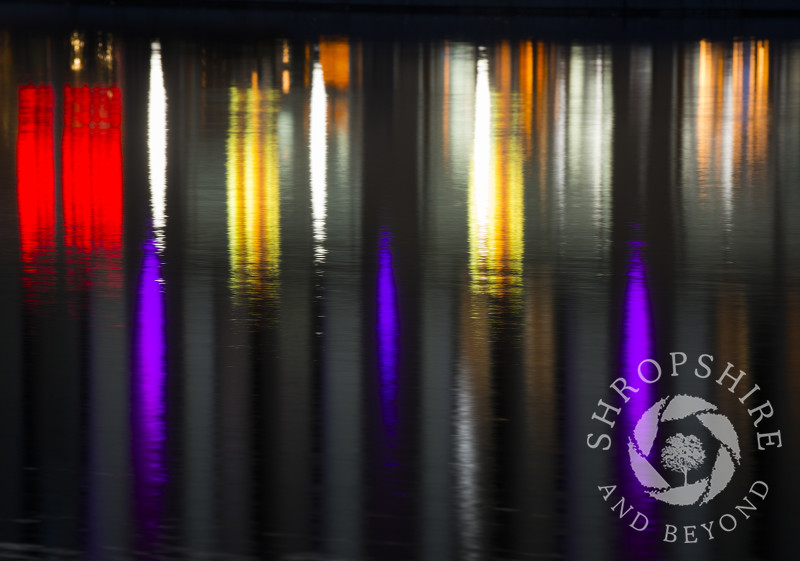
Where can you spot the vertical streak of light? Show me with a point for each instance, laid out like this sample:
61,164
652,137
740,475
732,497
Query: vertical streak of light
157,144
706,108
446,101
727,139
92,171
637,339
508,229
526,91
472,409
149,395
286,81
318,149
467,462
334,57
637,345
597,141
642,69
482,185
474,364
150,375
36,174
542,126
637,331
496,196
560,141
253,203
77,171
235,191
758,134
253,191
387,335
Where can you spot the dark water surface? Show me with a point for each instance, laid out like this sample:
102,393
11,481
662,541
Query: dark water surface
337,298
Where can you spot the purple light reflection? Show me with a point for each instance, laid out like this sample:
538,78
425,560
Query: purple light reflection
637,336
637,345
148,424
387,334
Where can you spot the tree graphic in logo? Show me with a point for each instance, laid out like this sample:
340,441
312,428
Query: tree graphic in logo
683,453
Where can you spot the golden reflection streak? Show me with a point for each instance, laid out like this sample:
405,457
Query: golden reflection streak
732,120
286,82
253,190
496,195
705,116
758,119
526,91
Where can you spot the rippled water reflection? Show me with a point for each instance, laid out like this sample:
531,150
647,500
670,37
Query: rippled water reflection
347,299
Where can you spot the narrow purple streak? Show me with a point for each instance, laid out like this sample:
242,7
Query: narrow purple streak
387,335
637,345
637,336
149,397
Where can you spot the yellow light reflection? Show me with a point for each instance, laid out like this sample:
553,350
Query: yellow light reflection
76,42
496,201
253,190
157,145
318,159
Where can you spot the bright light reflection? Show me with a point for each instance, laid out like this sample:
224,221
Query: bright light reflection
149,397
253,190
496,198
560,141
482,186
157,144
35,173
599,141
726,163
318,149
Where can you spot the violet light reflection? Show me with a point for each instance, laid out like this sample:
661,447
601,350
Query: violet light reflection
149,396
387,335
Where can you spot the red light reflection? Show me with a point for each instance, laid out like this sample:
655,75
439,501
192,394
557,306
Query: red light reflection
35,175
92,174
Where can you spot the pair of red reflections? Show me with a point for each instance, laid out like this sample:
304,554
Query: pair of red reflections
91,172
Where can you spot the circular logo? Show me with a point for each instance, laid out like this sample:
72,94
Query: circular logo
682,453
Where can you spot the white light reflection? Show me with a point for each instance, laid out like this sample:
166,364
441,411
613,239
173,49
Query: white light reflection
598,141
157,144
481,192
560,140
726,164
468,463
318,149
